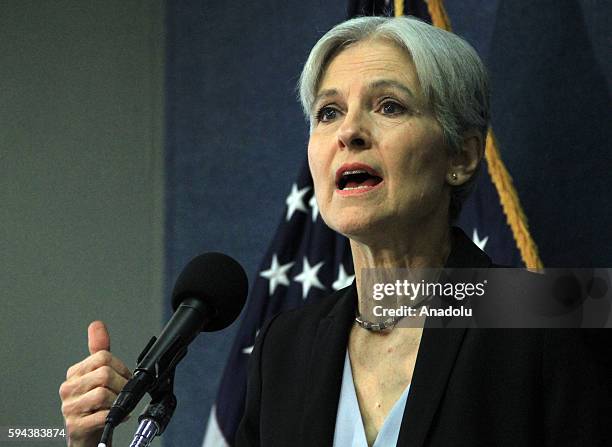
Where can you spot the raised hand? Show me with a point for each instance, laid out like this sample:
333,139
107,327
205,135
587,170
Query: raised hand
90,388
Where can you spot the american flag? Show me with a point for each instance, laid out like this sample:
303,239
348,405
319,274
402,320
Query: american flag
306,260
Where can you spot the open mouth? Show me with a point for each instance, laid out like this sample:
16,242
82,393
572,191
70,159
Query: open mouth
351,178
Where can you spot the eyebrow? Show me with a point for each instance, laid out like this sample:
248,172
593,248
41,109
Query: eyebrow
381,83
325,94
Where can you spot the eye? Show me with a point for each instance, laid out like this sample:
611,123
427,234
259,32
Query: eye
326,114
392,108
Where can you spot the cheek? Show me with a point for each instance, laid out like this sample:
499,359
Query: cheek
419,166
318,165
312,162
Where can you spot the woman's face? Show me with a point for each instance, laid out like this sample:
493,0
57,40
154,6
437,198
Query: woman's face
376,152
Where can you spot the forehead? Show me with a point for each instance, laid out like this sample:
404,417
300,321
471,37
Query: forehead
367,61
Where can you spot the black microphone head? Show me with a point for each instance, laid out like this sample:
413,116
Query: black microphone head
219,281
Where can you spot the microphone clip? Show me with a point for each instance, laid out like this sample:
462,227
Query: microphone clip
155,418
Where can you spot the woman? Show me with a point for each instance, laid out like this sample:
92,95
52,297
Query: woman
398,112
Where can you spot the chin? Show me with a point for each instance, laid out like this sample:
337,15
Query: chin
355,226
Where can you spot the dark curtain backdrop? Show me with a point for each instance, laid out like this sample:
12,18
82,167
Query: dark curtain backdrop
235,136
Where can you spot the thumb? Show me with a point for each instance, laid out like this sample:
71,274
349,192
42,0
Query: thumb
97,337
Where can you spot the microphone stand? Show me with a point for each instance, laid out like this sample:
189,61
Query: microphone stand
155,418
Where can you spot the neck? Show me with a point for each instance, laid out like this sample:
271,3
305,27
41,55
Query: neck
421,248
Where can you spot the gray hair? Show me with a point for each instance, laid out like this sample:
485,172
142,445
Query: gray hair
452,77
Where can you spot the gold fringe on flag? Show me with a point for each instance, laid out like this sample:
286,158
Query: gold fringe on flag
499,174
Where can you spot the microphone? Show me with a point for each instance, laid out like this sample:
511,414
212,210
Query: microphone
208,295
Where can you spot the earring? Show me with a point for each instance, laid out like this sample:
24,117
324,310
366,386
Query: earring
454,177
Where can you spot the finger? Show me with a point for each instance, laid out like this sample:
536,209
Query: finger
97,337
95,361
80,427
104,376
94,400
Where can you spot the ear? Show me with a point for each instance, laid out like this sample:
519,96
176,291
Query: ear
463,164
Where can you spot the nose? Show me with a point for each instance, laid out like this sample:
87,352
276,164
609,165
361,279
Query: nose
354,133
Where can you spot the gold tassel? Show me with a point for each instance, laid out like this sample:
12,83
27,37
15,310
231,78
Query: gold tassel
511,204
439,17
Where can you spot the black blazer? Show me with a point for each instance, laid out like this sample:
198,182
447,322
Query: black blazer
470,387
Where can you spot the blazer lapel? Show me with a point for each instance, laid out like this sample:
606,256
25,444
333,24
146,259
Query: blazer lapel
437,353
324,377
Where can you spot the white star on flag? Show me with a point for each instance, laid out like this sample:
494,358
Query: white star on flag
295,200
314,207
276,274
249,349
480,242
308,277
343,279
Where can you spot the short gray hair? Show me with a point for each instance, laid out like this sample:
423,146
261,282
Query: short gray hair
451,74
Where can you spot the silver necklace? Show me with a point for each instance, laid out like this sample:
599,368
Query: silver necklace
377,327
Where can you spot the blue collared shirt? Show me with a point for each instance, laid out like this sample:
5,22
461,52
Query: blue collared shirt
349,430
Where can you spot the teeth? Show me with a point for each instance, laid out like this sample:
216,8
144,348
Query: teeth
359,171
357,187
